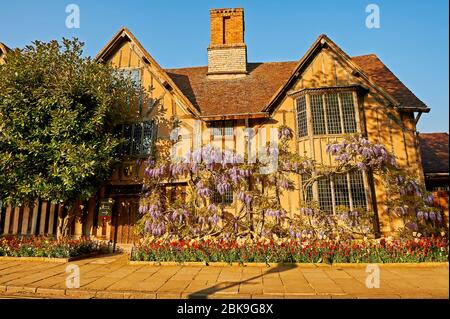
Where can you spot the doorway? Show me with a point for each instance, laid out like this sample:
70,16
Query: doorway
124,216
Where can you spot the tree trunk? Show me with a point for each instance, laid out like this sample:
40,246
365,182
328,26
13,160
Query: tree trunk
65,216
62,212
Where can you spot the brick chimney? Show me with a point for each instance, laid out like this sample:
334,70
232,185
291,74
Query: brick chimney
227,52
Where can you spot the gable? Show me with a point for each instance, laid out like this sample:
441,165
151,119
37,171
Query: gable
3,51
125,51
371,74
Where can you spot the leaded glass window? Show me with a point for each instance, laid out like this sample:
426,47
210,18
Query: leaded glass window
148,137
318,115
348,112
357,189
222,128
335,191
324,192
341,195
302,127
331,113
138,138
226,198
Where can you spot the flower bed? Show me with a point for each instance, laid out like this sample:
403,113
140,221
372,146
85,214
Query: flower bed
294,251
49,248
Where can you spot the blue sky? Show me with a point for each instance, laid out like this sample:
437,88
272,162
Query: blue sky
412,40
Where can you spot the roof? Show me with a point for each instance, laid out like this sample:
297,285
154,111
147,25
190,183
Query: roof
259,91
3,48
251,94
248,94
381,74
124,34
434,151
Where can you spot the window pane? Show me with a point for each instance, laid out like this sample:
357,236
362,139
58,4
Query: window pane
301,117
228,129
341,196
127,136
318,120
348,112
137,139
226,198
135,75
333,115
357,187
148,138
217,130
325,200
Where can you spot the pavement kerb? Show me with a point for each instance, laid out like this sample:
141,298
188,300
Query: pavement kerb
301,265
48,259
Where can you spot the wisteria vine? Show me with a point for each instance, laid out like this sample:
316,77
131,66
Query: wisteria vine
209,174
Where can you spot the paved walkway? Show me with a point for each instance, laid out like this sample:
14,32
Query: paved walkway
112,277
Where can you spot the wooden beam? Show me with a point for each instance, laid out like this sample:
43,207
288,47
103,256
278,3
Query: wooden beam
43,217
237,116
51,219
9,210
26,216
16,220
34,220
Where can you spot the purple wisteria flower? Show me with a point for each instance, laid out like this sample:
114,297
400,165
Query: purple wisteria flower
222,185
429,200
432,216
156,229
203,190
412,226
284,183
420,215
214,219
285,133
154,211
361,152
307,211
275,213
244,197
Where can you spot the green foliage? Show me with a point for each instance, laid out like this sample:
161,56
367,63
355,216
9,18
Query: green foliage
57,111
48,247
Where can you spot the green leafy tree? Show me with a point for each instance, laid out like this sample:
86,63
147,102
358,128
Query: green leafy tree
57,115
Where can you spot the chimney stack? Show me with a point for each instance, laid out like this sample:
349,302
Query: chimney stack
227,52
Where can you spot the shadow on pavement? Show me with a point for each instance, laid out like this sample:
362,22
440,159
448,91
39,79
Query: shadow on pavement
204,293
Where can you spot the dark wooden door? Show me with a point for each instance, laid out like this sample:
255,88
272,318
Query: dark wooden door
125,214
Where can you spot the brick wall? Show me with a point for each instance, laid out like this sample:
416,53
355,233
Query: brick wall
227,26
227,53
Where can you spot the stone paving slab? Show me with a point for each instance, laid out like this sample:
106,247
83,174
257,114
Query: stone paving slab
114,277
